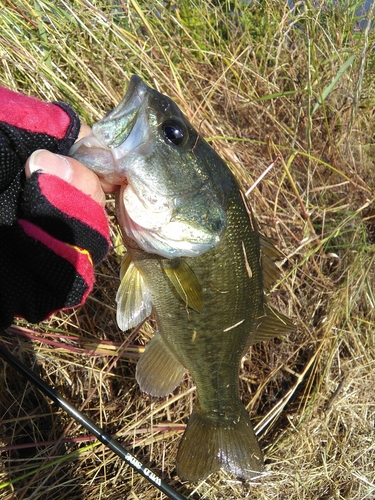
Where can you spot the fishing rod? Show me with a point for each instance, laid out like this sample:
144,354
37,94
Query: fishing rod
103,436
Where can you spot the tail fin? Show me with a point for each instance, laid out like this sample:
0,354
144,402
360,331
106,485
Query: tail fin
209,445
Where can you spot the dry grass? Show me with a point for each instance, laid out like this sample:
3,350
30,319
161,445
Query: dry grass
258,83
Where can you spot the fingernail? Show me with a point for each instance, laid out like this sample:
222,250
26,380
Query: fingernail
49,163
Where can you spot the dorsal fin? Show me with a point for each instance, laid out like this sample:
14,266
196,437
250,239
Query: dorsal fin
272,324
133,299
269,253
185,281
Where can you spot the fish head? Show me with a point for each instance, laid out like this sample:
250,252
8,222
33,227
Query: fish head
170,202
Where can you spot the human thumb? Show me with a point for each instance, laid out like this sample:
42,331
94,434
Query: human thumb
68,169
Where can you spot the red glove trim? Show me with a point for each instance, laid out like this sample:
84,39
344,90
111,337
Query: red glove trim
31,114
71,201
80,259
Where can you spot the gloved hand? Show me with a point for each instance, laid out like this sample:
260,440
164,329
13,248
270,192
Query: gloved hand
51,233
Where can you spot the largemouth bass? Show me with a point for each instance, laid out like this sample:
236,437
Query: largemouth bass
196,259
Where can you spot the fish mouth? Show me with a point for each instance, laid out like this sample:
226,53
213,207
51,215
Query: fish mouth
122,132
124,117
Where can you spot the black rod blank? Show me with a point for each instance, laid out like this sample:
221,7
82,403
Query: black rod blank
98,432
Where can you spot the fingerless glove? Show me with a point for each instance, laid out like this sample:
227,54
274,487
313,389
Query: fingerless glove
51,234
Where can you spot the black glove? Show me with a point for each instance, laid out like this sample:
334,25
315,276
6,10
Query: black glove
51,234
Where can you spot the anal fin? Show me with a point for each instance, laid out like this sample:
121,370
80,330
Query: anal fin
158,371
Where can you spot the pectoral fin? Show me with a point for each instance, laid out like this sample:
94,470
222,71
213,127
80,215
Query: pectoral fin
272,324
185,282
133,299
158,371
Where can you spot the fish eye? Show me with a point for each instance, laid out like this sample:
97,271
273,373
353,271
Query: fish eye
174,132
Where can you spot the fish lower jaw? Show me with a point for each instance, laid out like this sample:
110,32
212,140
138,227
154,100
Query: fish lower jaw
163,240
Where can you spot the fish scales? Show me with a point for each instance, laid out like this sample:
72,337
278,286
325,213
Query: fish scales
205,286
210,343
227,292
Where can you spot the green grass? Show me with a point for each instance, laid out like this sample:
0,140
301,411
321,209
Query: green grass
262,83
